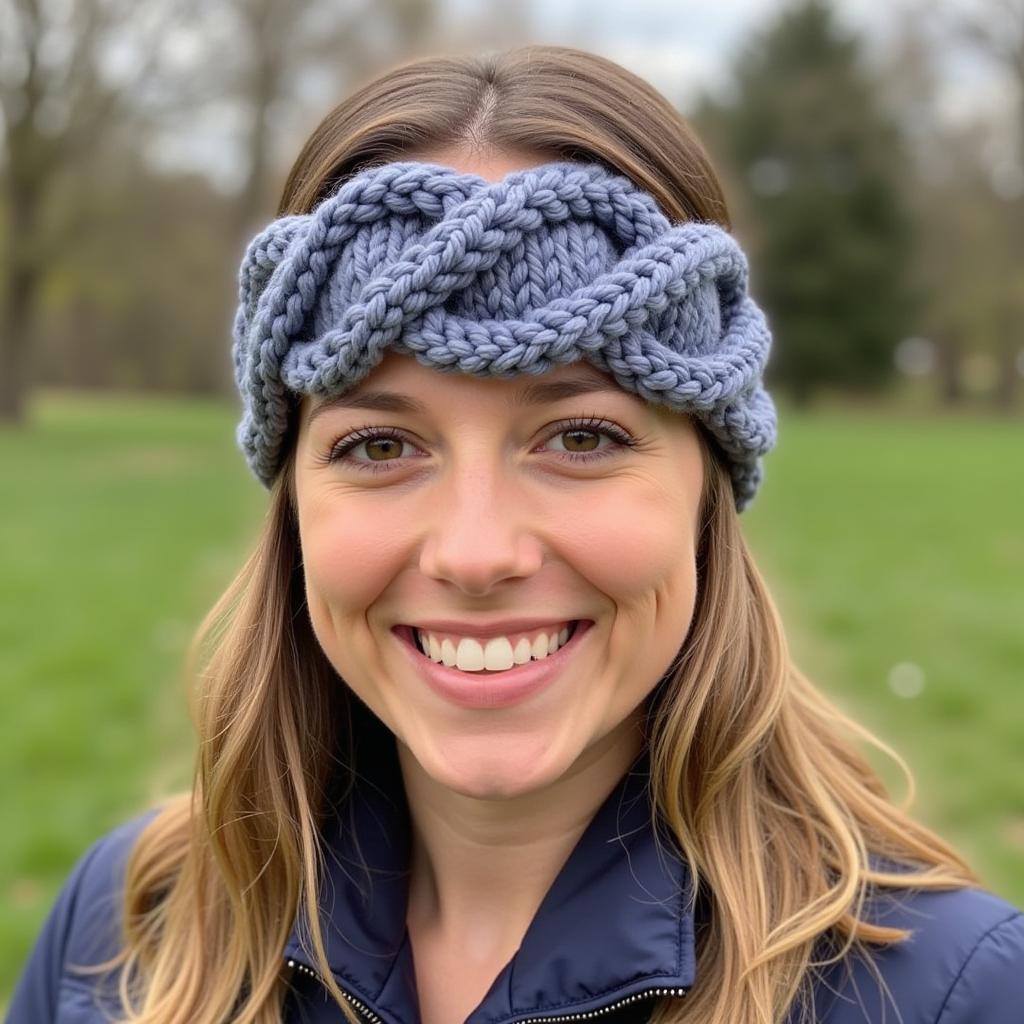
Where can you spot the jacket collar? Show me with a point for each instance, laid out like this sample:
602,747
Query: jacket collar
616,922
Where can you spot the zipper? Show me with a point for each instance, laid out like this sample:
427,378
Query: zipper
360,1006
618,1004
585,1015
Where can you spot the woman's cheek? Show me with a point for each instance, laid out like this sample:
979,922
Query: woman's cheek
630,543
347,562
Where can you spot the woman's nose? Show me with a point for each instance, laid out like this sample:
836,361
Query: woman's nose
481,531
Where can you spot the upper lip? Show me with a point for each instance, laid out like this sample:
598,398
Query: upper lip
494,627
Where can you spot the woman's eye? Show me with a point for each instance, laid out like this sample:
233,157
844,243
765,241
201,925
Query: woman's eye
578,441
379,445
382,446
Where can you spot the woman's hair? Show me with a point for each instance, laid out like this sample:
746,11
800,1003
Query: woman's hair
785,825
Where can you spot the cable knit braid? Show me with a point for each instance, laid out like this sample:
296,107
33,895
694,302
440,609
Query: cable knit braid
551,265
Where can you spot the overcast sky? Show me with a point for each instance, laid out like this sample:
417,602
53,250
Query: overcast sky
682,47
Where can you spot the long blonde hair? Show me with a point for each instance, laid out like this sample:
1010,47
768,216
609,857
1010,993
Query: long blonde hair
756,775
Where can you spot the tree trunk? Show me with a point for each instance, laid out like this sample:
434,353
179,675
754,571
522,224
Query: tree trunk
13,350
23,279
947,345
1004,396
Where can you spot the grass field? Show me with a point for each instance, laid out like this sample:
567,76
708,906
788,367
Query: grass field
894,546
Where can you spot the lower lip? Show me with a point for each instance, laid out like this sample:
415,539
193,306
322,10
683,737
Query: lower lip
491,689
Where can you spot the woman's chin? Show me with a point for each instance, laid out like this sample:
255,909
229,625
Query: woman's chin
490,767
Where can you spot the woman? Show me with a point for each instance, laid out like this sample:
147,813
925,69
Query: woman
498,721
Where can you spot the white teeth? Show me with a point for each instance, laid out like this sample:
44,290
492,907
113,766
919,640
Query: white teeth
448,652
498,655
470,655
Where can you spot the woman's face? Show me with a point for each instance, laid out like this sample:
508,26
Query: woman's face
484,500
481,507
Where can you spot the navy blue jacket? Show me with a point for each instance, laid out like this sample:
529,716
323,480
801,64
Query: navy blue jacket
613,932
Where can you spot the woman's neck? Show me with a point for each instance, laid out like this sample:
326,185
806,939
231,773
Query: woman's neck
480,868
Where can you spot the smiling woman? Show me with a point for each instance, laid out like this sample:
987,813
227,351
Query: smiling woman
498,723
500,505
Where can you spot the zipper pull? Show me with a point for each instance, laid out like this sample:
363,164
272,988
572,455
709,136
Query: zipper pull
357,1003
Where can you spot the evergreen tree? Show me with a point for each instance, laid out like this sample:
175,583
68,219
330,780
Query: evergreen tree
819,165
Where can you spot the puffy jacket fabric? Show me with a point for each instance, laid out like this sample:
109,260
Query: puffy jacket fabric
614,929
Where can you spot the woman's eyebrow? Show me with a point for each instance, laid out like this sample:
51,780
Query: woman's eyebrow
532,394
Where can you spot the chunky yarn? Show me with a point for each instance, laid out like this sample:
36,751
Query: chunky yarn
557,263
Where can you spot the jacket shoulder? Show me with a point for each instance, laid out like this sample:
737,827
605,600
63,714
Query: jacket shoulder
990,983
963,962
82,928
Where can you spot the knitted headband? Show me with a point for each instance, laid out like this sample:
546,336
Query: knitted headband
551,265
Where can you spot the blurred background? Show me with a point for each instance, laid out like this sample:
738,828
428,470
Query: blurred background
873,159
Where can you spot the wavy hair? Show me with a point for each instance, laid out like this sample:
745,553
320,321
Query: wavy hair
756,775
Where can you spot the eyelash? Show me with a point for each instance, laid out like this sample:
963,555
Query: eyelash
339,450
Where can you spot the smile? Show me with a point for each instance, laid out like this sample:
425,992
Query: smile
494,654
491,689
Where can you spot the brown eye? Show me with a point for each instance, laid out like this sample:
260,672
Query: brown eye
582,440
386,447
382,447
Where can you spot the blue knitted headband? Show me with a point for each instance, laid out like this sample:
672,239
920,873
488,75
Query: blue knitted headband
551,265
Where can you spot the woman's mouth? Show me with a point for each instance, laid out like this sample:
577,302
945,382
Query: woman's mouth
498,654
488,688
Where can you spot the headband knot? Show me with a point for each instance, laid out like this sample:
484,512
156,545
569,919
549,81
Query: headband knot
553,264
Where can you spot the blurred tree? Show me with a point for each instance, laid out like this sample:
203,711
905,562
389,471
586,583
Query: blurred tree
820,164
144,303
996,29
120,274
966,197
285,40
57,107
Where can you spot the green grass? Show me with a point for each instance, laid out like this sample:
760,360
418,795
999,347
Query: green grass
885,539
122,521
890,541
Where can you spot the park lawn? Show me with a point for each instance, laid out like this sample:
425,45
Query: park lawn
123,520
895,548
887,541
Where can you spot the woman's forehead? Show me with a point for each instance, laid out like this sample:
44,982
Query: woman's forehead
401,373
